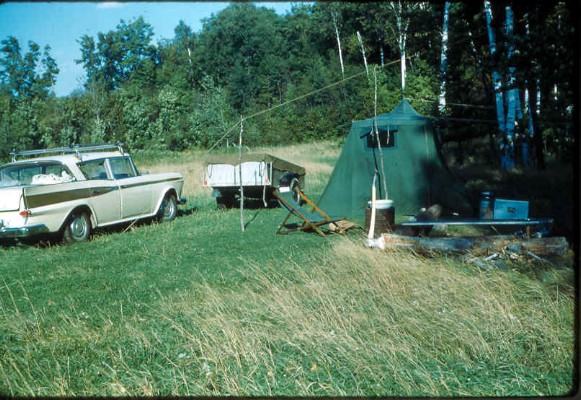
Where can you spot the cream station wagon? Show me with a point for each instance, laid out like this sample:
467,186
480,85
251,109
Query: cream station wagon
70,191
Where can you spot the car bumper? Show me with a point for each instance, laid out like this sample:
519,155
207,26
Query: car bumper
182,200
24,231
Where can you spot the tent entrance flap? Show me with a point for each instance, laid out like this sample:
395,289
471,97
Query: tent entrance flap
415,174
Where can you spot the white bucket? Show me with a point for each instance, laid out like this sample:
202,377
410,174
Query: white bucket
381,204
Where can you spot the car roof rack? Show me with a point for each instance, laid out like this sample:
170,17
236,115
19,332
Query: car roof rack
72,149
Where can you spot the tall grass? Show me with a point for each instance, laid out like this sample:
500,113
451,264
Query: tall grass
342,321
355,323
196,307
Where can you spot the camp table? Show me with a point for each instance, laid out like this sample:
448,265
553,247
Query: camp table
528,223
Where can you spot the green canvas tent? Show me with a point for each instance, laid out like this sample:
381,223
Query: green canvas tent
414,173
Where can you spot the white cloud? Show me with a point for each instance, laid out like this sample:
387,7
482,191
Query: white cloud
108,5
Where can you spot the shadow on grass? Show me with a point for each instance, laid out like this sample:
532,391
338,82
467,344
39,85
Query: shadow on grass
186,212
55,239
252,218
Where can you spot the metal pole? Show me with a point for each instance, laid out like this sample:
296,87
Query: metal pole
377,137
240,175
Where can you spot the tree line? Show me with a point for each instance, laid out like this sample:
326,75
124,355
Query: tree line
249,63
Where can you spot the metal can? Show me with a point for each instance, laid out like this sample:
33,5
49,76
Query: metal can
486,205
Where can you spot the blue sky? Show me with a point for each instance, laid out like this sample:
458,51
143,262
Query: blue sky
61,24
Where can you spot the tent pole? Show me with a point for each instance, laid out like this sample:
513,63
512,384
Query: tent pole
240,175
371,233
431,172
377,137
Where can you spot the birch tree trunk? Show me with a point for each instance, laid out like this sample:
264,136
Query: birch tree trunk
533,141
402,24
381,52
444,59
505,146
402,40
512,96
538,98
363,54
528,138
495,75
338,43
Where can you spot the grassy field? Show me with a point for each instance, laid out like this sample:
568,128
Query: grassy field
196,307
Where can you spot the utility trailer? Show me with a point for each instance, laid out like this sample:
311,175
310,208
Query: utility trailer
262,173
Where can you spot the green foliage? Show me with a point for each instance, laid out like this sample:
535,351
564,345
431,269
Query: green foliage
241,49
30,76
211,115
136,116
283,76
120,55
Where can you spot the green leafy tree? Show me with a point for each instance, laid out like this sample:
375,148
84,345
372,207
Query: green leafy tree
240,49
136,117
28,76
12,73
26,85
119,55
189,89
178,63
211,115
170,110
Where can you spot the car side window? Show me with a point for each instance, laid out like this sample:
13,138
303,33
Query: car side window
59,170
35,174
20,174
94,169
121,167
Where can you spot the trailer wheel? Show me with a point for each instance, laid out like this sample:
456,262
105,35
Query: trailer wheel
220,203
296,186
225,201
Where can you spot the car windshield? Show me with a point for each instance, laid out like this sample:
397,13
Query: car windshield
39,173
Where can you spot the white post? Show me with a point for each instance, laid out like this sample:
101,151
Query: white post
240,175
371,233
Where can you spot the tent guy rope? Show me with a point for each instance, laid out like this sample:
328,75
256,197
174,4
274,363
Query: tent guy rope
231,129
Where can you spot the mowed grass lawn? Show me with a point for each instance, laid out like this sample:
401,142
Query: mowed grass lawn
196,307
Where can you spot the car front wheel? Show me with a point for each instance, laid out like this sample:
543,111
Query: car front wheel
78,228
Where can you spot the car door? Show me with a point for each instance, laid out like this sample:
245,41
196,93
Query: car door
105,197
135,190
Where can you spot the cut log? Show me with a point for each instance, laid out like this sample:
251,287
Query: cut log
549,246
341,226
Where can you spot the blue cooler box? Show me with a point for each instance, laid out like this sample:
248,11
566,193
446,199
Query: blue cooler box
510,209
